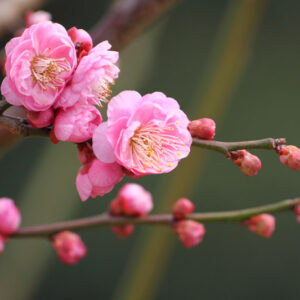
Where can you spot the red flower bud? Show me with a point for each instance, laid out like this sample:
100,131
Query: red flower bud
263,224
69,247
204,128
290,156
123,231
189,232
10,217
182,208
248,163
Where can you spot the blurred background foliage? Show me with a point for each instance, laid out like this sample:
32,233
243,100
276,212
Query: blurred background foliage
237,61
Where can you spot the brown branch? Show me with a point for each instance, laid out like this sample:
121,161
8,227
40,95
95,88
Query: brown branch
235,216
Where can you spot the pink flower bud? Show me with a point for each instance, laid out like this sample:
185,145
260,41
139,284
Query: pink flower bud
69,247
40,119
2,243
204,128
135,200
189,232
115,207
77,123
10,217
35,17
248,163
290,156
263,224
82,41
297,212
123,231
182,208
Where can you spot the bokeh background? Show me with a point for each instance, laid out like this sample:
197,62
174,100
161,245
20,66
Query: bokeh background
236,61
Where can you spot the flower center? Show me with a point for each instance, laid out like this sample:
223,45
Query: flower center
154,147
47,72
101,91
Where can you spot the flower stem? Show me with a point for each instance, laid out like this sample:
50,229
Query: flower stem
234,216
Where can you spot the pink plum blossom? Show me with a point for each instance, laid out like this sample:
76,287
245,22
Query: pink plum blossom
97,178
35,17
135,200
204,128
146,135
290,156
189,232
69,247
40,119
77,123
10,217
263,224
92,78
82,41
182,208
248,163
39,64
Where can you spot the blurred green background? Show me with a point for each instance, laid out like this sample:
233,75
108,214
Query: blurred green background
235,61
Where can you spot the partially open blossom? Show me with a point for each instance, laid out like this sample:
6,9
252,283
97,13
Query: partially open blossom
290,156
35,17
248,163
135,200
2,243
39,63
40,119
204,128
297,212
10,217
97,178
146,135
189,232
182,208
82,41
92,78
77,123
123,231
115,208
263,224
69,247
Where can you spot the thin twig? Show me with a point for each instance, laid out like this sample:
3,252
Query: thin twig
235,216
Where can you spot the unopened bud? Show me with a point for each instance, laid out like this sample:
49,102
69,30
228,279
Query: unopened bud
69,247
10,217
40,119
182,208
189,232
248,163
135,200
204,128
263,224
297,212
123,231
115,207
290,156
82,41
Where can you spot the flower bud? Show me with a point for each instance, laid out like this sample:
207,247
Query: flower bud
182,208
189,232
10,217
69,247
77,123
297,212
204,128
263,224
85,153
40,119
115,207
82,41
35,17
248,163
135,200
290,156
123,231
